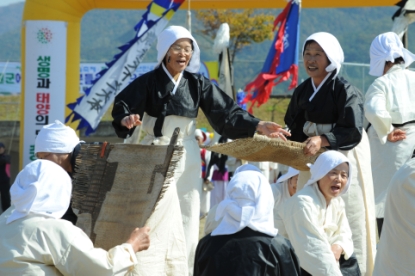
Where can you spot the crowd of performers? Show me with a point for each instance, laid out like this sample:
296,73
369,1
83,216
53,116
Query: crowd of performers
323,222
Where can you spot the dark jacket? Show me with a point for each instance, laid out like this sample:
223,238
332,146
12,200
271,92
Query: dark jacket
342,107
150,93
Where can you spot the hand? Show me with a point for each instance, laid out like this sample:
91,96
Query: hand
272,130
314,144
131,121
337,251
140,239
396,135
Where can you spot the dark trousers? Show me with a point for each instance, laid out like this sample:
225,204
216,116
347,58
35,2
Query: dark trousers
5,193
70,215
379,222
348,267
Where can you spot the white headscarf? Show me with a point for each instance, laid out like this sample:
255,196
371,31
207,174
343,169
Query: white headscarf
56,138
170,35
290,173
248,203
325,162
42,187
247,167
387,47
331,47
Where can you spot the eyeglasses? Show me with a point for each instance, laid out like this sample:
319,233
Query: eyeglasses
178,49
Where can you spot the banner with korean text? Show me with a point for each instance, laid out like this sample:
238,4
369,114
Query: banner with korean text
45,79
10,77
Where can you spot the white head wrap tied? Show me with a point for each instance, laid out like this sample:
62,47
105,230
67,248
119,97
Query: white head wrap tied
248,203
170,35
42,187
331,47
387,47
56,138
327,161
290,173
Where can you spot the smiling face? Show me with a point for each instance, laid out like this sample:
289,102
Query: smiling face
315,62
178,56
333,183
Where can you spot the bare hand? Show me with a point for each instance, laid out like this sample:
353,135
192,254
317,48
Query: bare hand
272,130
337,251
314,144
140,239
131,121
396,135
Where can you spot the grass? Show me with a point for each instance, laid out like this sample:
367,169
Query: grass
9,107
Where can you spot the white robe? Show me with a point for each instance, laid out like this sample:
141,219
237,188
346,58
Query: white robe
39,245
174,224
359,203
390,99
396,254
281,195
312,228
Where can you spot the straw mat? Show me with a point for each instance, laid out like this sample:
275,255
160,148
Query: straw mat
262,148
116,187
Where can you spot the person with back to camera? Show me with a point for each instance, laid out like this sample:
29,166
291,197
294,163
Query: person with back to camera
389,108
34,240
245,241
161,100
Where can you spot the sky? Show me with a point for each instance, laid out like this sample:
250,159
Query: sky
8,2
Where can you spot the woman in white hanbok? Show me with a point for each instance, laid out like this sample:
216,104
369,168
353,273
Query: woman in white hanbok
315,219
389,108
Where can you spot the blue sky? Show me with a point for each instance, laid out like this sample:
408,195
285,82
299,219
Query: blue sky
8,2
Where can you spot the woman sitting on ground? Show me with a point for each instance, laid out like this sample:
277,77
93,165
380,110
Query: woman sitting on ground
315,219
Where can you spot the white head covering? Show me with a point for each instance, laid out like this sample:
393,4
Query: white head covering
290,173
42,187
56,138
387,47
327,161
248,203
331,47
168,36
247,167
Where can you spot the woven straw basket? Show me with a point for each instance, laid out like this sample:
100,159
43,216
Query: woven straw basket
117,187
261,148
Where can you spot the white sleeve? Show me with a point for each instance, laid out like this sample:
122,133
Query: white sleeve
376,110
81,258
310,242
344,235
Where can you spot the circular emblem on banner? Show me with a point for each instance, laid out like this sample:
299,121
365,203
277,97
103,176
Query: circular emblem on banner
44,35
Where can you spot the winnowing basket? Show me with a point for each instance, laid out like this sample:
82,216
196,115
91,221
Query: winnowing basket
116,187
262,148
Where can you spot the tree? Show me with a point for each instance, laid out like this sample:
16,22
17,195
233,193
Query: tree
246,26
